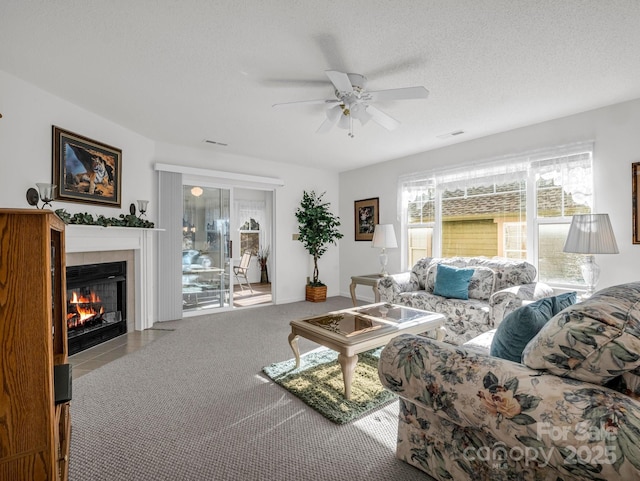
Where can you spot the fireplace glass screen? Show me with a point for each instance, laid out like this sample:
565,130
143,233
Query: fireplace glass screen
96,304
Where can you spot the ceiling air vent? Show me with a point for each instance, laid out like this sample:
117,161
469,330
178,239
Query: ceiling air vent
450,134
206,141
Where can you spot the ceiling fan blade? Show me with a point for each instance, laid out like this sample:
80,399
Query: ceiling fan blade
325,126
294,83
307,102
398,66
380,118
364,117
340,80
406,93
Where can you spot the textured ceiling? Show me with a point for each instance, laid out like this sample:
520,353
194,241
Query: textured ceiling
184,71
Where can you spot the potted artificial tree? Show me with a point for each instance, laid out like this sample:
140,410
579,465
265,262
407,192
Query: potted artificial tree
318,228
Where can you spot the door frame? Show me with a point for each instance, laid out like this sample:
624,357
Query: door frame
217,183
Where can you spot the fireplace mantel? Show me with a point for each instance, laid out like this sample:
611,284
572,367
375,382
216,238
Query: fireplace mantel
90,238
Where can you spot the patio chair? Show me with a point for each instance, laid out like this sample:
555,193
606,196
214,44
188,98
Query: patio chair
240,271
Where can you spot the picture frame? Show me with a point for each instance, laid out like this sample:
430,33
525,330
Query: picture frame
635,203
367,215
85,170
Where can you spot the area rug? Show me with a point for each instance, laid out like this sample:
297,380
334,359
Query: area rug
318,382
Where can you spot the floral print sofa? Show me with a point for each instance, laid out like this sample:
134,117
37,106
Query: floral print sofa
498,286
466,415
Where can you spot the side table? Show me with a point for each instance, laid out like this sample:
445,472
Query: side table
365,280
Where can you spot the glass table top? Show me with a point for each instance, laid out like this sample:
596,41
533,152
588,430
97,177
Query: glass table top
357,320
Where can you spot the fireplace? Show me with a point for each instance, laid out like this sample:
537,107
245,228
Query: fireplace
96,304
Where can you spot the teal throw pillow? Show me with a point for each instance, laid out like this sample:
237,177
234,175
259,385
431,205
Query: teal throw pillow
519,327
452,282
562,301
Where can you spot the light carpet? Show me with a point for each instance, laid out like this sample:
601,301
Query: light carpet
195,405
319,383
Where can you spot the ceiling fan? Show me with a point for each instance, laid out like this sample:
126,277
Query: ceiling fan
353,101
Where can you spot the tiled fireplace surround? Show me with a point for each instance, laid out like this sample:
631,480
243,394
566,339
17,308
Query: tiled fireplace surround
95,244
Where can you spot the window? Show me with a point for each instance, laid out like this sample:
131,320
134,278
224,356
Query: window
419,201
476,211
514,244
518,207
250,237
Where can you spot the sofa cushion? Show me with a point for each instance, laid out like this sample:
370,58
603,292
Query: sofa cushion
594,341
562,301
431,271
519,327
452,282
482,284
509,272
482,343
419,272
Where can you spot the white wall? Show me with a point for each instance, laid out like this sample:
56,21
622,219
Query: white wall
614,129
25,158
25,147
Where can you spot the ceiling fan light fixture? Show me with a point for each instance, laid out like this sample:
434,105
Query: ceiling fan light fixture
354,102
333,113
343,122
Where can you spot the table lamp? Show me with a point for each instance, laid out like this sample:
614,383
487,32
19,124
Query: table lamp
384,237
590,234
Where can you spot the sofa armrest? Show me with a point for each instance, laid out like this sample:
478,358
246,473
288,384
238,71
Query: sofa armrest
392,285
552,418
509,299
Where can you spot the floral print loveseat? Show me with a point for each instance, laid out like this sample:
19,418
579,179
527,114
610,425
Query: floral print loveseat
466,415
498,286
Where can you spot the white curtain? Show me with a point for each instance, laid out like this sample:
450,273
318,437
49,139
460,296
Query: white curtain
572,172
246,210
170,246
573,160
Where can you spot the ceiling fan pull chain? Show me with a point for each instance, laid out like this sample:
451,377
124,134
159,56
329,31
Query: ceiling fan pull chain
350,124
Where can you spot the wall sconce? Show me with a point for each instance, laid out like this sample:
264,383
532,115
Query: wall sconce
44,194
142,206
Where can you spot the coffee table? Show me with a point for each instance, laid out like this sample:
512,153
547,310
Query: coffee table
358,329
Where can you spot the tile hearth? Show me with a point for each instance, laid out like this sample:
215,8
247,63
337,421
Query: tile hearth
97,356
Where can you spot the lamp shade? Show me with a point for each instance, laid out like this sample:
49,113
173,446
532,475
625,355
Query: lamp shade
384,236
591,234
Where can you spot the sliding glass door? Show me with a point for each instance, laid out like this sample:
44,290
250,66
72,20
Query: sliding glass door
206,248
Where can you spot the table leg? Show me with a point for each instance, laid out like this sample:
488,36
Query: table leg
352,289
293,342
348,365
440,333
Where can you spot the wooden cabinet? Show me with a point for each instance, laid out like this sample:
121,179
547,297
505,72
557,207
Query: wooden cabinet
34,430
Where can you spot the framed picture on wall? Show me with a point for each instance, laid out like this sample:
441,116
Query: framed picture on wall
635,189
367,215
85,170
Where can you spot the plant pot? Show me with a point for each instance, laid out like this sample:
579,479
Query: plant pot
316,294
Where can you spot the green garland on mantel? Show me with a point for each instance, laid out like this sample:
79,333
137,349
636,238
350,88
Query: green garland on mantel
128,220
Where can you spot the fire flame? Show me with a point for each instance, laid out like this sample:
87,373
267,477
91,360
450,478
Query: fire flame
84,309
